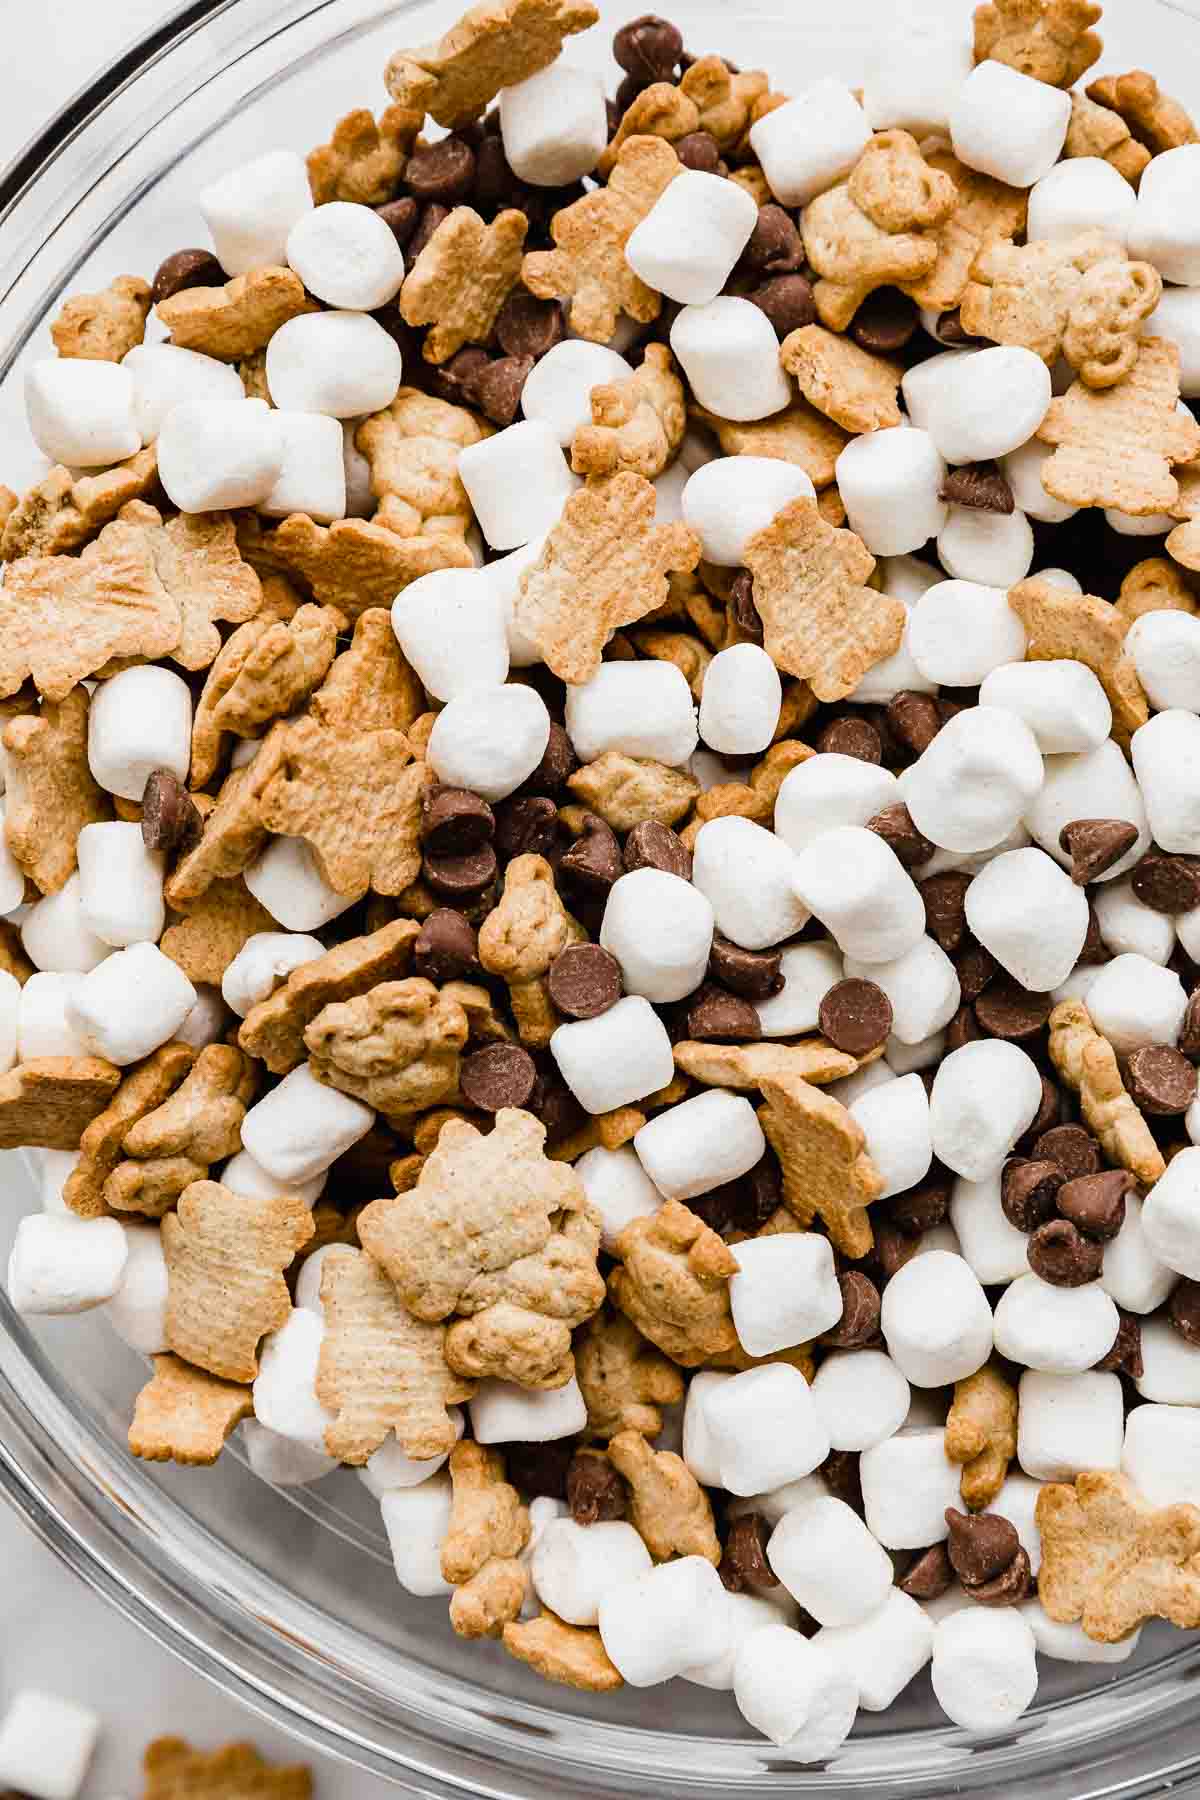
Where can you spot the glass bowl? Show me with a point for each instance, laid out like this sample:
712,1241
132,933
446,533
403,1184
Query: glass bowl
286,1599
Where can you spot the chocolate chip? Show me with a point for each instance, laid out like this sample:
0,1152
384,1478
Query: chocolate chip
886,321
981,486
1189,1031
463,877
538,1470
584,981
654,846
1096,1203
527,326
950,329
893,1247
186,269
1008,1588
499,386
1074,1150
1125,1357
895,826
919,1209
1168,884
856,1016
627,92
595,1491
1095,950
443,172
1061,1255
962,1029
859,1323
755,974
852,736
700,150
1094,845
980,1545
526,827
454,820
742,609
455,380
432,215
1160,1080
945,899
743,1561
914,720
446,948
931,1576
715,1016
170,817
559,762
975,967
1029,1191
593,862
843,1477
775,246
496,1076
648,48
1048,1114
787,301
1183,1310
400,217
1007,1010
556,1106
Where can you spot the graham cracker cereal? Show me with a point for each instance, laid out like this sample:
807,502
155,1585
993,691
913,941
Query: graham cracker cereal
637,422
608,1131
1088,1064
1155,120
981,1433
101,1144
587,265
1115,446
199,564
520,938
398,1047
985,212
13,959
626,791
234,831
746,1066
689,655
266,670
1049,40
667,1505
63,511
850,385
1112,1561
493,46
661,110
1098,131
488,1529
753,799
672,1283
234,321
174,1771
822,1151
624,1380
413,447
174,1144
604,565
820,621
8,505
571,1655
217,925
50,794
364,161
354,564
185,1415
727,103
462,278
799,434
1184,542
1082,628
50,1101
370,686
1155,585
274,1030
381,1370
226,1254
103,327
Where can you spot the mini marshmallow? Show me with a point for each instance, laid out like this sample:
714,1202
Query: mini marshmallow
746,1613
1061,578
262,964
922,986
416,1520
1008,125
212,457
797,1695
895,1121
619,1189
137,1311
286,878
120,884
1097,784
740,700
130,1004
660,929
46,1744
1139,525
661,1623
904,1059
313,477
1084,193
1137,1279
298,1129
912,83
749,877
829,790
980,774
1128,927
558,389
490,739
451,626
898,673
861,1398
1170,1366
775,1503
988,547
936,1321
554,125
890,482
614,1059
503,1413
729,499
575,1566
12,875
687,244
346,255
61,1264
1070,1642
81,412
998,397
504,578
996,1251
139,721
1135,1002
1171,1214
808,971
1177,316
343,364
251,210
730,354
984,1096
1023,470
165,376
984,1669
517,481
828,1561
279,1461
55,1166
43,1027
1030,915
390,1468
1165,647
1163,229
700,1451
908,1481
861,892
959,632
811,142
925,380
208,1020
700,1144
884,1652
543,1511
784,1293
1068,1423
1062,703
1166,761
308,1281
642,709
55,937
1017,1502
1057,1330
1162,1453
285,1388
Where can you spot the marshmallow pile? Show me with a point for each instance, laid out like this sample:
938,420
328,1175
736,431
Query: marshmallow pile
602,827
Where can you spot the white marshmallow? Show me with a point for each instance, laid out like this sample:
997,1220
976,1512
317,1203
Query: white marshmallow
250,211
687,244
130,1004
1082,194
829,1562
890,481
81,412
1134,1002
748,875
980,774
46,1744
343,364
1030,915
285,1388
907,1483
988,547
313,477
996,1250
297,1130
1129,927
903,1059
1057,1330
1068,1423
139,721
558,389
1170,1366
936,1321
43,1028
617,1058
286,878
490,739
984,1096
575,1566
700,1451
660,929
911,85
1163,229
808,971
1138,525
959,632
542,1513
984,1669
1071,1643
730,354
1017,1502
1165,647
829,790
998,397
504,578
895,1122
1062,578
643,709
665,1621
1062,703
1137,1279
517,481
1171,1214
775,1503
280,1462
1162,1453
784,1293
861,892
1177,316
554,125
12,875
390,1468
729,499
55,936
346,255
452,627
920,384
700,1144
764,1429
211,457
922,986
740,700
120,884
884,1652
262,964
360,494
898,673
416,1520
1097,784
503,1413
308,1281
61,1264
1023,471
619,1189
164,376
811,142
1009,126
861,1398
797,1695
747,1613
1166,761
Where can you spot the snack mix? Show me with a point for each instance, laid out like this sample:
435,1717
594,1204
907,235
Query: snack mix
673,1051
